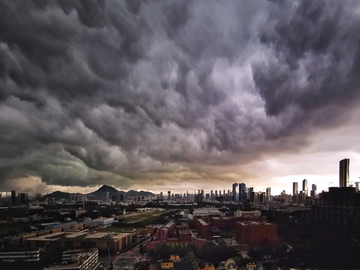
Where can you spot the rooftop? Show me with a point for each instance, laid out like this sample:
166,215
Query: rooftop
97,235
121,235
47,237
77,234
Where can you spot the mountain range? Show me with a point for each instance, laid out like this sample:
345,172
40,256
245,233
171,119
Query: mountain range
99,194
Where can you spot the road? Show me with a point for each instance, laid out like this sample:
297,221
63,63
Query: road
127,259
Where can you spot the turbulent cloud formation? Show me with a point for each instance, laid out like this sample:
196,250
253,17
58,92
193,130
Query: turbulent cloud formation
135,93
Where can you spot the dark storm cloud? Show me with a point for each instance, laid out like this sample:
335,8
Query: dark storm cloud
118,92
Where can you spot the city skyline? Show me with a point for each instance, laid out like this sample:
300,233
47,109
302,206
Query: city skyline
162,96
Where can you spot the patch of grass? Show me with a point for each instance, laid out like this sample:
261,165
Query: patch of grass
114,229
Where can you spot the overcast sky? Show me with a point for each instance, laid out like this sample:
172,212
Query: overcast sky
178,95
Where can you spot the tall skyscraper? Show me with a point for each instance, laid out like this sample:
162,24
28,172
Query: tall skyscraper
357,186
250,194
344,172
234,193
169,192
314,190
295,188
305,187
14,197
242,193
268,194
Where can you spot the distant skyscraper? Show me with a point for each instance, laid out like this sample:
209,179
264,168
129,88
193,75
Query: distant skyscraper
14,197
344,172
250,194
234,193
295,188
357,186
268,194
242,193
169,193
314,190
305,187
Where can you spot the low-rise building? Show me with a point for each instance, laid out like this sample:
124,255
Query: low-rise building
20,258
77,259
105,222
257,234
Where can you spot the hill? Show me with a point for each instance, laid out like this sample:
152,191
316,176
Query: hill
134,193
99,194
57,195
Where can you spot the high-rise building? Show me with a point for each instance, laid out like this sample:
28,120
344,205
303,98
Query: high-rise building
14,197
357,186
314,190
344,172
212,195
251,194
268,194
305,187
169,195
242,193
23,198
295,188
234,193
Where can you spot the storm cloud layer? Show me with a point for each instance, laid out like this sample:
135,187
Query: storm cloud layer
141,92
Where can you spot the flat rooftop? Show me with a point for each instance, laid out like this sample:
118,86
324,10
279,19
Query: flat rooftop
121,235
77,234
46,237
202,222
96,235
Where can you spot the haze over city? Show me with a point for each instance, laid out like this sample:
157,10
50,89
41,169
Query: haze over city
178,95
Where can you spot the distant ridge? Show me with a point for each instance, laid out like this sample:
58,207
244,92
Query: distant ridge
99,194
57,195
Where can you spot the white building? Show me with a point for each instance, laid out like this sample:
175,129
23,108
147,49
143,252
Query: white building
255,213
207,212
105,222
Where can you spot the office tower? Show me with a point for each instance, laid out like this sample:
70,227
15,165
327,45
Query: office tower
235,197
169,192
295,188
305,187
357,186
23,198
268,194
211,195
344,172
219,192
224,193
161,196
242,193
251,194
216,193
313,191
14,197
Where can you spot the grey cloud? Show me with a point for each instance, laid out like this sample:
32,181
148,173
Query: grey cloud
123,91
